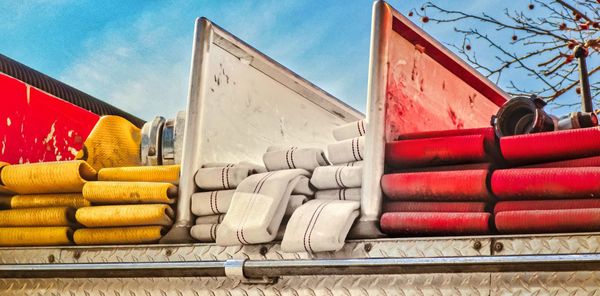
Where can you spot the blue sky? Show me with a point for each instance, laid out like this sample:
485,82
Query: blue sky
135,54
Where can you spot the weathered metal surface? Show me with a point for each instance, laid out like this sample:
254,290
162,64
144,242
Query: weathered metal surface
546,283
240,102
415,85
429,88
473,284
562,283
36,126
539,283
61,90
548,244
156,253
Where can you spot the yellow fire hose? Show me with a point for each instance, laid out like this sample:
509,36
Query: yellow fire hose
164,173
35,236
5,202
3,189
60,216
72,200
125,215
118,235
129,192
114,142
47,177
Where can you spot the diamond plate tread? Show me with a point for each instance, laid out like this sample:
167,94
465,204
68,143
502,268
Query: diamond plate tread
434,284
546,283
541,283
28,255
197,252
558,244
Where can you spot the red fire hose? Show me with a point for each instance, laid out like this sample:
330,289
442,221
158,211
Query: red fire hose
467,185
546,183
435,151
487,132
435,223
546,221
561,204
448,207
444,168
593,161
551,146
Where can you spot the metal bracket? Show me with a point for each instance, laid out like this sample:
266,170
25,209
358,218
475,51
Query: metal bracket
168,143
234,269
151,143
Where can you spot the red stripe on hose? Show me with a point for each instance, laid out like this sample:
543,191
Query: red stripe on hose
593,161
435,223
546,183
467,185
449,207
547,221
531,205
435,151
551,146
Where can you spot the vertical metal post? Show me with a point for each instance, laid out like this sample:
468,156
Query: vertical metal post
371,200
584,82
190,161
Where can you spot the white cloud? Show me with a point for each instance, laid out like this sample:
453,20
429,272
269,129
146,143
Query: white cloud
141,67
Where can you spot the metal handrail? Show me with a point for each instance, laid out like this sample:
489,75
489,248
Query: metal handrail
260,269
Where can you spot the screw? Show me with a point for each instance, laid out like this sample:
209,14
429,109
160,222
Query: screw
151,151
498,246
77,255
263,250
368,247
477,245
169,252
51,258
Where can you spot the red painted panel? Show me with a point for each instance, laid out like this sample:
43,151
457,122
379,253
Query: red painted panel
36,126
429,89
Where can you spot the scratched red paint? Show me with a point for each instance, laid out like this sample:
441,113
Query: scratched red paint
425,95
36,126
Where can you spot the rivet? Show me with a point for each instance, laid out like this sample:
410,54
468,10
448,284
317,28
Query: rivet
51,258
368,247
498,246
263,250
151,151
477,245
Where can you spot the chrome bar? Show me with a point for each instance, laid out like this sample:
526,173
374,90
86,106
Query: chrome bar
378,266
114,270
262,269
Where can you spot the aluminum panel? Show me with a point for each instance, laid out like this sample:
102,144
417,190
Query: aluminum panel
548,244
240,102
563,283
449,284
196,252
546,283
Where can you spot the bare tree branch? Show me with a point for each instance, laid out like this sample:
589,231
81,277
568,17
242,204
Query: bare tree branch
539,47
